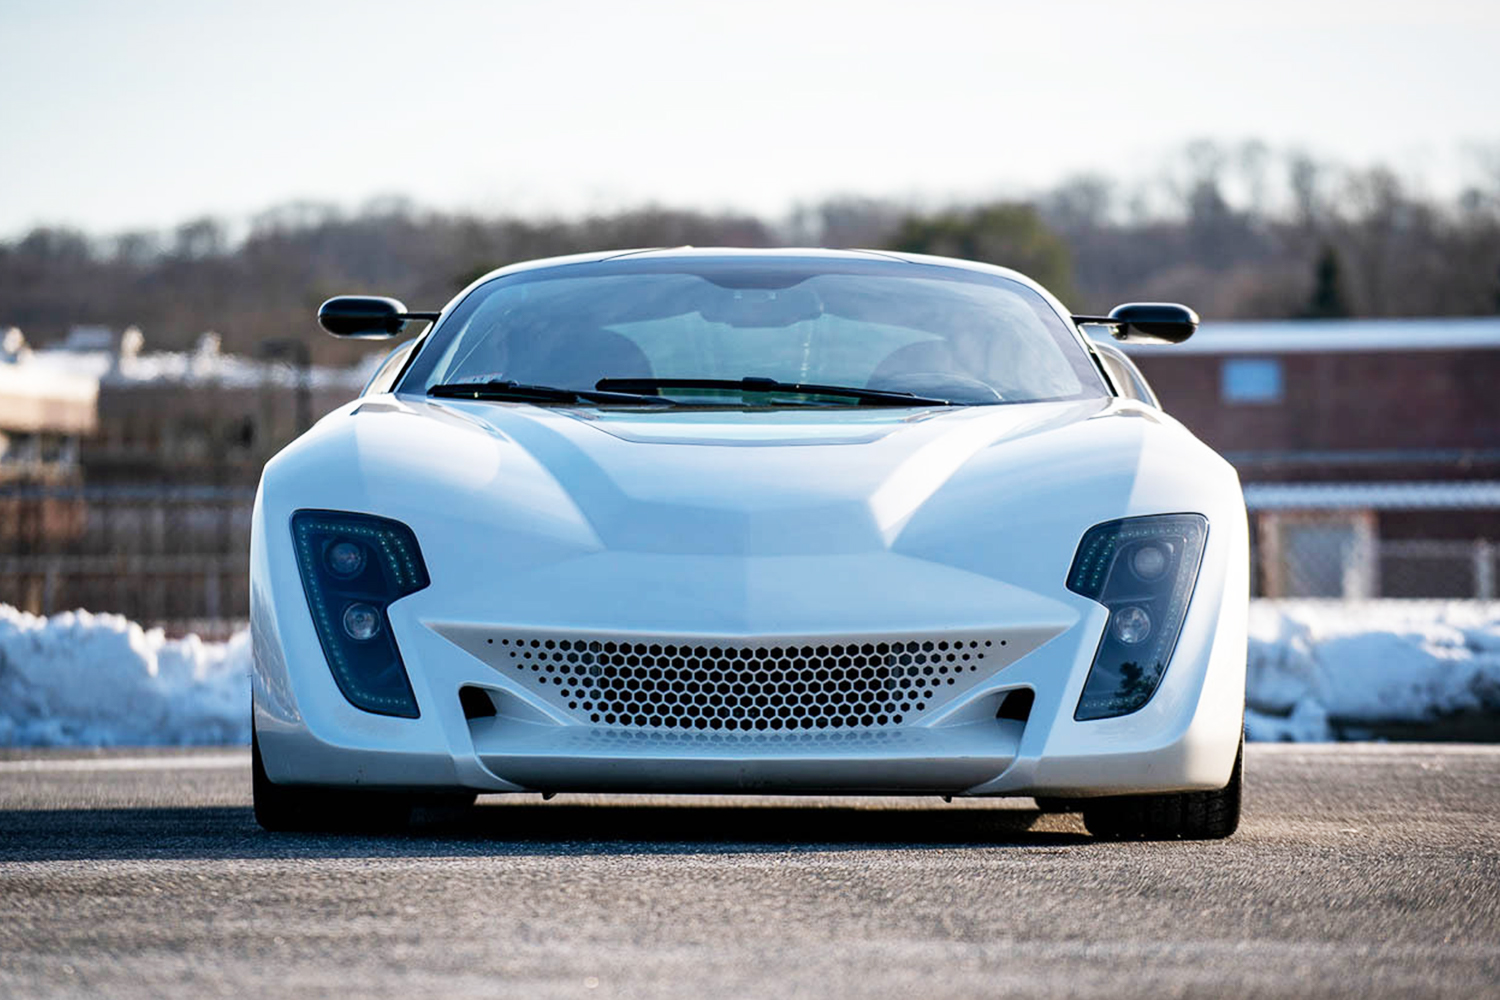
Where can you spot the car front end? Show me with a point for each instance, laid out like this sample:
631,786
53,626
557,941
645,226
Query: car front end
964,567
660,619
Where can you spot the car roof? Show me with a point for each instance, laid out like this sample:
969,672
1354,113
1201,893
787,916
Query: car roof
752,253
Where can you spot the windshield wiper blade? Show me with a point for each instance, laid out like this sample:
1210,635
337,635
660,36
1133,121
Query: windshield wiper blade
866,397
521,392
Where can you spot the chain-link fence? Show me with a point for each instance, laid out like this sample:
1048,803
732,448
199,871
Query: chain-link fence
178,557
1329,563
1359,541
171,557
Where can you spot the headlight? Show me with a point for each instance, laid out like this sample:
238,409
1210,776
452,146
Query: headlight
1143,570
353,567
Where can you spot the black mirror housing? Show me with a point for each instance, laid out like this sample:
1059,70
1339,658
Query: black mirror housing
366,317
1152,322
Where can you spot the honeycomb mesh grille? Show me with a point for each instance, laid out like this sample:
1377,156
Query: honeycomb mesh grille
662,685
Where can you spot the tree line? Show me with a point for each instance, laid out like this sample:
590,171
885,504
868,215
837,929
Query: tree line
1237,230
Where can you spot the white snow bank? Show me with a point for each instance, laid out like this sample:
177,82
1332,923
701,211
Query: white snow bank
1319,667
82,679
1316,670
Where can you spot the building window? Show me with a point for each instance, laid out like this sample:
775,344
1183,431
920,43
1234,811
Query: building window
1251,380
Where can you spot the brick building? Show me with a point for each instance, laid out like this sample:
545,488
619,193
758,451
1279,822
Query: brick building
1370,449
127,476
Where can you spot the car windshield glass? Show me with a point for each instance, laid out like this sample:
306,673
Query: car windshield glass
934,332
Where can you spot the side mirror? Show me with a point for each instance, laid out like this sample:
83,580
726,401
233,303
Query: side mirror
1153,322
1147,322
366,317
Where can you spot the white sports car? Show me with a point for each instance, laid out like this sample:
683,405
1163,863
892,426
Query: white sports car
792,521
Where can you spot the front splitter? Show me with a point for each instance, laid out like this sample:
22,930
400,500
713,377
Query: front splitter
925,761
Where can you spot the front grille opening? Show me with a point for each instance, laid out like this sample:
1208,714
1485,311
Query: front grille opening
476,702
1017,705
752,688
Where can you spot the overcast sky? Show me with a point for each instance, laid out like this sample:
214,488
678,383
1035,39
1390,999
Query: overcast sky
116,115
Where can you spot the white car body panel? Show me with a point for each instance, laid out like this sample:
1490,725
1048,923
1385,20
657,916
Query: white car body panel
750,528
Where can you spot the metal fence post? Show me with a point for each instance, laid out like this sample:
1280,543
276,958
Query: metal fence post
1484,569
215,571
49,588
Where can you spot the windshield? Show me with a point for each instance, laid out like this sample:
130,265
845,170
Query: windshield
931,331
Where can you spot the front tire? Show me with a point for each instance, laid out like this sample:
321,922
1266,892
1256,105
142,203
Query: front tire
1182,816
293,808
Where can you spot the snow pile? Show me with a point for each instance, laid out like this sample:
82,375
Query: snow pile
1317,671
102,680
1319,668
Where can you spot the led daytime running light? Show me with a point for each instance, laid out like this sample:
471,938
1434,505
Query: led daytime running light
1146,614
367,667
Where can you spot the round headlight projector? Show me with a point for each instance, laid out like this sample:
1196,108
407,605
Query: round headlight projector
1150,561
345,559
1130,625
361,622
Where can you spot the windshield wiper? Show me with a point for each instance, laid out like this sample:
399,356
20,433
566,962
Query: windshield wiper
521,392
866,397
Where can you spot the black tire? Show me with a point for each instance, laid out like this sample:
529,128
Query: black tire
300,808
1182,816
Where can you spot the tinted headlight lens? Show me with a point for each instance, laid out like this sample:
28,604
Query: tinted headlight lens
354,566
361,622
1143,570
345,558
1151,560
1130,625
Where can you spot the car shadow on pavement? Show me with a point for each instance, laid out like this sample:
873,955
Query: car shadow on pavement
529,829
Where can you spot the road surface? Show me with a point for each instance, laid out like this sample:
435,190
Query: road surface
1360,871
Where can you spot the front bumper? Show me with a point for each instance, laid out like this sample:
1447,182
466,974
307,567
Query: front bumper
543,737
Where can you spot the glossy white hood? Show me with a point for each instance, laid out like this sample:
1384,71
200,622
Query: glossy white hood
747,520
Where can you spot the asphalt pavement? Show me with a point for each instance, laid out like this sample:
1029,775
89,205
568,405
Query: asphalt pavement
1361,870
